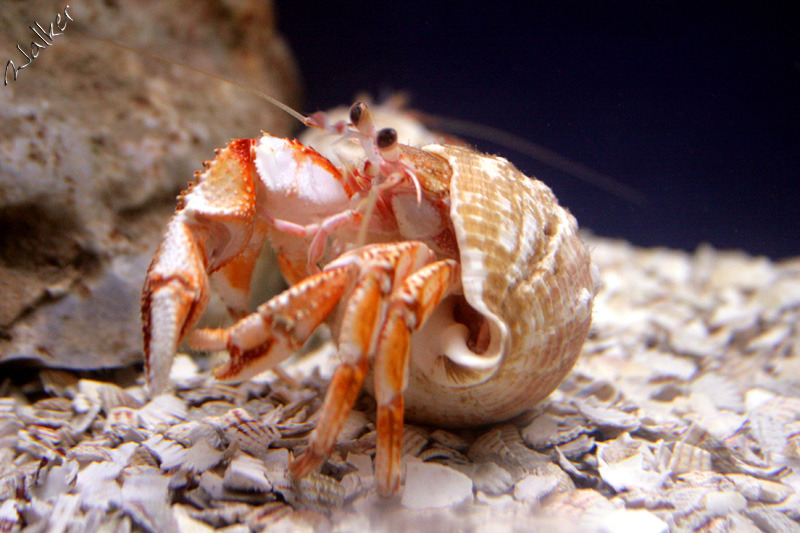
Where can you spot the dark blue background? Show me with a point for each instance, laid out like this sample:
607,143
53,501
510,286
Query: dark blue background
695,106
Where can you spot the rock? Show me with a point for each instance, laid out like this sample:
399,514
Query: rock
96,143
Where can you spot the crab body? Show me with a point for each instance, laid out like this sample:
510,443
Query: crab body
456,287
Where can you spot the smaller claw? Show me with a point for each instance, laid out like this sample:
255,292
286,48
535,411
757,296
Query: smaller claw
261,340
213,230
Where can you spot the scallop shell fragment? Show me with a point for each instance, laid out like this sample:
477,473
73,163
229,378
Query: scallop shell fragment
627,464
200,457
534,488
194,431
145,499
170,454
162,411
491,478
432,486
251,435
504,445
687,458
246,473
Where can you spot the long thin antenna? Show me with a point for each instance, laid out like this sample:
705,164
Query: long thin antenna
274,101
540,153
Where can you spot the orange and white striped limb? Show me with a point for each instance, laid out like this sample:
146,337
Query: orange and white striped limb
391,301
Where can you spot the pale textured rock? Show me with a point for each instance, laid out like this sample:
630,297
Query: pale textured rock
95,144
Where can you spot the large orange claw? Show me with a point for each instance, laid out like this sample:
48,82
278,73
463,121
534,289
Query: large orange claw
212,227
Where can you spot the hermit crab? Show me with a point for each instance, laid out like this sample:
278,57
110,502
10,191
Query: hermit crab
456,287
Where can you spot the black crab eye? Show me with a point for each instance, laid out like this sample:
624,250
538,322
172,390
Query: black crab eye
358,110
387,138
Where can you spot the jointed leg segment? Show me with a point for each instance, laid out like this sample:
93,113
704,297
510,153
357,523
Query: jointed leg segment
409,308
395,288
408,304
280,326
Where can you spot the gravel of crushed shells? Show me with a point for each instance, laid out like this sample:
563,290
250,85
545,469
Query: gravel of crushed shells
683,414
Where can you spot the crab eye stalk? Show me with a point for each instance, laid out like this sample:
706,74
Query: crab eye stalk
386,140
356,110
361,118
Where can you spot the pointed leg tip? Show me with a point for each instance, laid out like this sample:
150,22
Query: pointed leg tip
155,386
387,491
157,372
222,372
304,465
